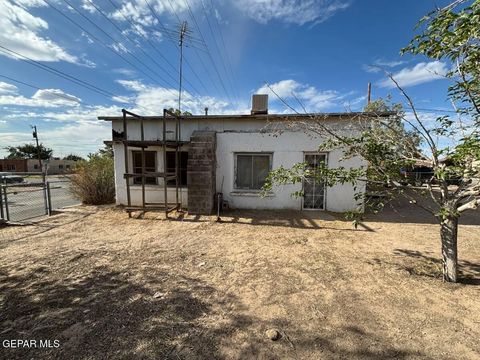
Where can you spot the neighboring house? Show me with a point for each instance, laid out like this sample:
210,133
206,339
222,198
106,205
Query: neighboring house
54,166
242,148
13,165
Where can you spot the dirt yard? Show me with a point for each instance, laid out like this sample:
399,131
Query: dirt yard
109,287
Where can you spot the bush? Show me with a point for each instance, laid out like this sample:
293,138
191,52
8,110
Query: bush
94,180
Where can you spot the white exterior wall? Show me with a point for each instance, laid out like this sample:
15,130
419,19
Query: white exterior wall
234,136
288,149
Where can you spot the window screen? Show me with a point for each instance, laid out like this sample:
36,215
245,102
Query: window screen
252,170
150,166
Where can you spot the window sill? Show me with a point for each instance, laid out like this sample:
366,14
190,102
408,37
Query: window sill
251,193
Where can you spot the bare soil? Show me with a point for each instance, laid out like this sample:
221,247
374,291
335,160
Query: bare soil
110,287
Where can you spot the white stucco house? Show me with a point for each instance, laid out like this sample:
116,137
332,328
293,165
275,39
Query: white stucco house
242,150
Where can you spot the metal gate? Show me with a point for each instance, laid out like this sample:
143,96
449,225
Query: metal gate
313,188
24,201
21,202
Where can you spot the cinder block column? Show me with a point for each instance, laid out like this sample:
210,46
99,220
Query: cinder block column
201,172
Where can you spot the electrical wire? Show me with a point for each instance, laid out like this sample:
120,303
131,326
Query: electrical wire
217,47
113,50
208,51
173,41
135,43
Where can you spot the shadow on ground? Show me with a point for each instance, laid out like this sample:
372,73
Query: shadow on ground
469,272
423,264
108,314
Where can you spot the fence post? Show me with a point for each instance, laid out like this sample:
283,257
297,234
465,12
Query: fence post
49,200
1,203
6,203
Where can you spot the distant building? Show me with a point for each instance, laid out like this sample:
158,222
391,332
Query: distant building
13,165
54,166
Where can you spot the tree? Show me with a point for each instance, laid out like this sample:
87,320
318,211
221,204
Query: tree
28,151
178,113
106,151
93,181
450,33
73,157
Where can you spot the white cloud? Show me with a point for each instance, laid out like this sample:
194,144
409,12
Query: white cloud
6,88
380,64
139,12
78,138
87,5
421,73
292,11
133,85
124,71
21,33
312,98
389,63
42,98
151,100
55,96
76,130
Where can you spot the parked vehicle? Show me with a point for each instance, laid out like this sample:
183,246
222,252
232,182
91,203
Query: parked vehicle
9,178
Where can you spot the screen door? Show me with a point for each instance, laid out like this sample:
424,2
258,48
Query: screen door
314,189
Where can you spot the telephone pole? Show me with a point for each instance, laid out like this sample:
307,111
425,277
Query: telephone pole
183,32
39,155
369,93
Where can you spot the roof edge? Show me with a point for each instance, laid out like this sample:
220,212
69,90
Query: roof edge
263,116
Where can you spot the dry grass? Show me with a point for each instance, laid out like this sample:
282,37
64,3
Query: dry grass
111,287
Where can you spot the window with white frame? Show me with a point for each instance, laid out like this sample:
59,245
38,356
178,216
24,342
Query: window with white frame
251,170
150,166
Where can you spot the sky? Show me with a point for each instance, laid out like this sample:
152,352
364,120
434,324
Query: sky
65,62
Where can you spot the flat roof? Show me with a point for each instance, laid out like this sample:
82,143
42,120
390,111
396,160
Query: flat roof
260,116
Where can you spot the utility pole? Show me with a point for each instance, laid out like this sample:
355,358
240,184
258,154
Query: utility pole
35,136
183,32
369,93
45,196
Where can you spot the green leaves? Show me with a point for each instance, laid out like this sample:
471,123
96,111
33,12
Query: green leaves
454,36
29,151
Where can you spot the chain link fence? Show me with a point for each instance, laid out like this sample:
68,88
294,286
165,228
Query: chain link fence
32,198
60,195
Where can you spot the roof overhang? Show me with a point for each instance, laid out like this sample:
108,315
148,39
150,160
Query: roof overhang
268,117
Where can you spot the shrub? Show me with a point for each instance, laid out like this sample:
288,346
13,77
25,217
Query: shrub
94,180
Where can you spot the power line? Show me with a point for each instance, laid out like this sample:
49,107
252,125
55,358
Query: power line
208,51
222,60
114,51
198,55
105,93
59,73
134,43
37,87
437,110
229,62
152,10
166,31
